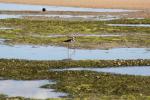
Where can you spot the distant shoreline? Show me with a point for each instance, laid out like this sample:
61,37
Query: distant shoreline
122,4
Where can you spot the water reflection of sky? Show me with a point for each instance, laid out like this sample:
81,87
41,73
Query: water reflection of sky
28,89
142,70
59,53
11,6
88,17
5,16
131,25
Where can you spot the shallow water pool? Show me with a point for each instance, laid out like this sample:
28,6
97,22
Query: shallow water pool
130,70
131,25
6,16
28,89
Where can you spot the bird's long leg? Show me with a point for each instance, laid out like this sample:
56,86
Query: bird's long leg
68,52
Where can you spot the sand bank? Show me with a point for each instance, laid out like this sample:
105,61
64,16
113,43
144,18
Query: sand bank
127,4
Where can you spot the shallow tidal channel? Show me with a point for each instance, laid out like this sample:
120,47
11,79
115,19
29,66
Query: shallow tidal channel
32,52
129,70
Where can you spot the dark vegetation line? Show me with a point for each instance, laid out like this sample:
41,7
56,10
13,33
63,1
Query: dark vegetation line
16,63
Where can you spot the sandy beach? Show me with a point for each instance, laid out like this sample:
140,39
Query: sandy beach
125,4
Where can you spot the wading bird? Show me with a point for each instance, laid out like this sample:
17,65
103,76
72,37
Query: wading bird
72,39
68,41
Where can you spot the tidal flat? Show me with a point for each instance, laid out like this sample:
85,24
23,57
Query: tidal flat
24,38
27,31
80,84
68,27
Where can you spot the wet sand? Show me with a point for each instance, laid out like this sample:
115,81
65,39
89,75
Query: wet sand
127,4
